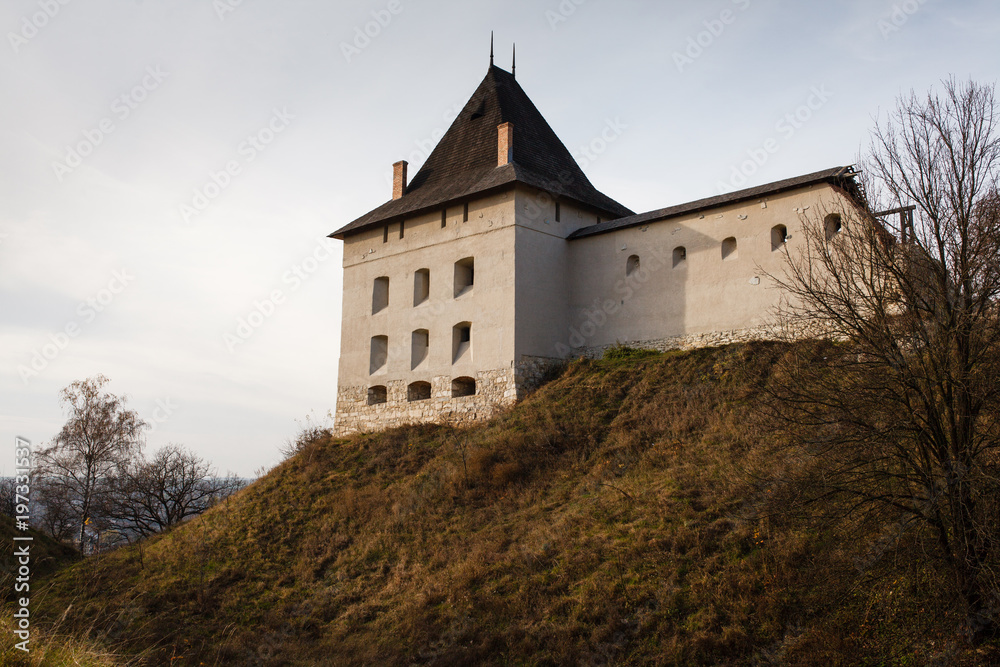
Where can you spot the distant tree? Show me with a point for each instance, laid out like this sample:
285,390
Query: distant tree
99,436
53,511
148,496
901,405
7,496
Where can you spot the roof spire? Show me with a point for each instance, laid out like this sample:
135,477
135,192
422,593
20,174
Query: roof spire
491,48
513,64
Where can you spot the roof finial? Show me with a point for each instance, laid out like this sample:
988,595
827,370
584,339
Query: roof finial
513,64
491,48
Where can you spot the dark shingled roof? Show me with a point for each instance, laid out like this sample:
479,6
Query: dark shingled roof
840,176
464,163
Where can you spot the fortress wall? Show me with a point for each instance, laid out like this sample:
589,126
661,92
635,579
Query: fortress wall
488,237
496,390
702,299
541,269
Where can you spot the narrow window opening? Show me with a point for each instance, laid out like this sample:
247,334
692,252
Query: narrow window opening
832,224
378,395
465,275
385,233
444,218
558,213
632,265
729,250
379,354
421,286
380,295
419,347
402,224
680,256
462,342
463,387
418,391
465,213
779,237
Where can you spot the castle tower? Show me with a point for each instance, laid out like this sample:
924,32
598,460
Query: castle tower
456,288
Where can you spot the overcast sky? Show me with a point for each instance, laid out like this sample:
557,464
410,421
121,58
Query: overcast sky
169,167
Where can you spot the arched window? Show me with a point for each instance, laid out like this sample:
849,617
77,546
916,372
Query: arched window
463,387
378,395
421,286
832,224
419,347
632,265
461,342
779,237
680,256
729,250
465,275
418,391
379,354
380,295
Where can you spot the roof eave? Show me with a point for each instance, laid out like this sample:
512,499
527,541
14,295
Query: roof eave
834,176
348,230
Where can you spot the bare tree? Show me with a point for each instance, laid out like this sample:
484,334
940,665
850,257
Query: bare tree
8,485
53,509
100,434
176,484
899,400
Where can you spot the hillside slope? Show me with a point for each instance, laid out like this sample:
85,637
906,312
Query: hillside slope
47,555
626,513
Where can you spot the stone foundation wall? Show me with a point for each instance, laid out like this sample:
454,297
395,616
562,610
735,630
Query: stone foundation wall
688,342
530,372
496,390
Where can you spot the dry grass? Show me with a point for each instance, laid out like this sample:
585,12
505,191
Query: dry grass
627,513
51,649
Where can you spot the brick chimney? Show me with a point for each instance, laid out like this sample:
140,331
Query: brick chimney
398,179
505,144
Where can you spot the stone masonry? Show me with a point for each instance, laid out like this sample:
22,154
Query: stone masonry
496,390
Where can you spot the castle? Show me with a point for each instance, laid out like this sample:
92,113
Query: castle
499,259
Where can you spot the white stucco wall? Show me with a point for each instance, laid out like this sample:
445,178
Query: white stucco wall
705,293
488,237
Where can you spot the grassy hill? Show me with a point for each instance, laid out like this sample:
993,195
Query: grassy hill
47,556
629,512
